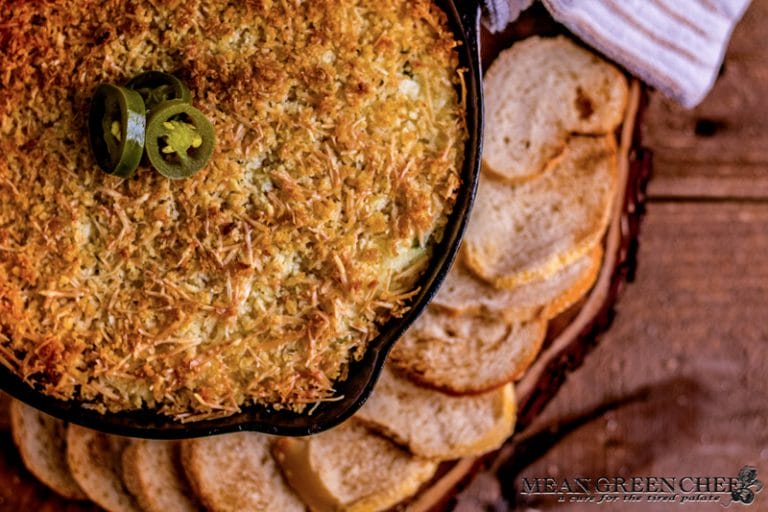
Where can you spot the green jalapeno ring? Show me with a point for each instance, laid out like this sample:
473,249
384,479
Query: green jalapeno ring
116,125
179,139
156,87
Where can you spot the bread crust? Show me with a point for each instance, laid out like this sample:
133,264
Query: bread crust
559,89
435,425
152,472
509,242
463,293
393,474
95,460
467,354
580,288
236,472
41,441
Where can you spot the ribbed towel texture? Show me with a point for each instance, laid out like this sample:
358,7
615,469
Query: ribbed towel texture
675,45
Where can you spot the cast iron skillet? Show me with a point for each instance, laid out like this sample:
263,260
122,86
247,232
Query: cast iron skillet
464,18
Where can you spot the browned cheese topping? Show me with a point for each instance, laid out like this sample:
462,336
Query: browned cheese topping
340,138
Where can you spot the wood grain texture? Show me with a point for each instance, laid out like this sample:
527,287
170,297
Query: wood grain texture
690,339
720,148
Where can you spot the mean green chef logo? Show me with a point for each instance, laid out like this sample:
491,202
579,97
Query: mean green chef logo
724,490
747,487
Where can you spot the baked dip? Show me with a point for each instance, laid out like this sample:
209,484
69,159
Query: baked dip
339,141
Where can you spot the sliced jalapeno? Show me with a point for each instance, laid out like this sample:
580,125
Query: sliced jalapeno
156,87
179,140
116,123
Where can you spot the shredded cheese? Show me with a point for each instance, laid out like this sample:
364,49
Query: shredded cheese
340,138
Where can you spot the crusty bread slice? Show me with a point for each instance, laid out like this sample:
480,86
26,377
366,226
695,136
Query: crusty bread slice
235,473
95,460
351,469
467,354
436,425
580,288
463,293
42,443
152,472
519,234
537,93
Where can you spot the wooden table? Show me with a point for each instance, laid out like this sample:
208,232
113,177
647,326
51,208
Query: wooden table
679,385
687,353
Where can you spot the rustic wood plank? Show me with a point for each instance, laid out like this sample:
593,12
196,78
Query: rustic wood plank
720,148
691,338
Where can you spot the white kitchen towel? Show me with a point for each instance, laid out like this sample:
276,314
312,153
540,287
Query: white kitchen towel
499,13
675,45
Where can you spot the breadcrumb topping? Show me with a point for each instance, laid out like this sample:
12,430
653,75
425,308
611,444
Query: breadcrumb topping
340,138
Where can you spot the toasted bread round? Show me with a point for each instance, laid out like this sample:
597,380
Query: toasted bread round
463,293
351,468
580,288
235,473
42,443
537,93
95,460
467,354
518,234
436,425
152,472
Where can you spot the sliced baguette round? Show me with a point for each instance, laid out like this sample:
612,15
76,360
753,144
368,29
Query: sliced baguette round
467,354
436,425
519,234
235,473
42,443
537,93
95,460
351,469
152,472
463,293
